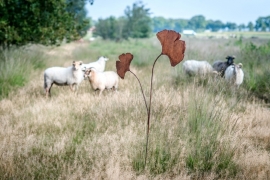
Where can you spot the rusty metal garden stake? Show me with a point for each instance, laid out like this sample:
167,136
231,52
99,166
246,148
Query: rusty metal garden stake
174,48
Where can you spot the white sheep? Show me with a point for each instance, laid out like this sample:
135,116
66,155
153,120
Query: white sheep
61,76
234,74
99,65
194,67
102,80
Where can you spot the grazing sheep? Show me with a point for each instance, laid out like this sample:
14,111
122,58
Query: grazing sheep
234,74
221,66
194,67
99,65
61,76
102,80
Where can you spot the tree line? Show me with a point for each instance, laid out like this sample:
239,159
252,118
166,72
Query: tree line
52,21
140,25
199,23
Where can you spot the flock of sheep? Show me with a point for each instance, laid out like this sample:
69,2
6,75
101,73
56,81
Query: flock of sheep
232,72
99,79
72,76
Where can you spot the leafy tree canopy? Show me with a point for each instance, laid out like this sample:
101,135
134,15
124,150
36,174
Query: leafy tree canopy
46,22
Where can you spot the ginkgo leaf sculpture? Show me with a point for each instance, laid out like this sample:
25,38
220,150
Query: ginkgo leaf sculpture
122,66
173,47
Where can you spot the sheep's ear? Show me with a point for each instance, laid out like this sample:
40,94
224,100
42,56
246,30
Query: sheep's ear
81,62
240,65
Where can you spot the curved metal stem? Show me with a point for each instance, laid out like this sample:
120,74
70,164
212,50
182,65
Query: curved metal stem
149,112
141,90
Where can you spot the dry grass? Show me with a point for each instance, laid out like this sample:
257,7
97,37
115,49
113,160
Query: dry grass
92,137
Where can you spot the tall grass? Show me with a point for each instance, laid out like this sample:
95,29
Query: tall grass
206,126
256,60
200,128
16,65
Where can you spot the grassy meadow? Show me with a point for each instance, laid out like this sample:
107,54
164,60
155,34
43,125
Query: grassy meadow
201,128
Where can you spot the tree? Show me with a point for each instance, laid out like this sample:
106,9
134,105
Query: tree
262,23
241,27
138,21
36,21
76,8
231,26
250,26
197,22
214,25
180,24
158,23
108,28
136,24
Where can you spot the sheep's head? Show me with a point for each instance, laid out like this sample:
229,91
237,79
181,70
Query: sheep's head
87,73
103,58
230,60
240,65
77,65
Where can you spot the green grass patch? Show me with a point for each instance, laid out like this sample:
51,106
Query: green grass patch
256,65
16,66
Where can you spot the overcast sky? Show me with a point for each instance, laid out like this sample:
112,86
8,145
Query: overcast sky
236,11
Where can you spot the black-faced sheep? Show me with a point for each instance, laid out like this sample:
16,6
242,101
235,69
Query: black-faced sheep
221,66
61,76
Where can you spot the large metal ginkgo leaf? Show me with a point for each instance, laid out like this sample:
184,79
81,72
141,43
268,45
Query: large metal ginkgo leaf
172,46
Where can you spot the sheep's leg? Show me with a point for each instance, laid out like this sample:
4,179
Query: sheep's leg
100,92
48,91
114,88
96,91
76,89
71,87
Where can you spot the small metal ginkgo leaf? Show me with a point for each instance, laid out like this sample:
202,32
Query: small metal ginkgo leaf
122,66
172,46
